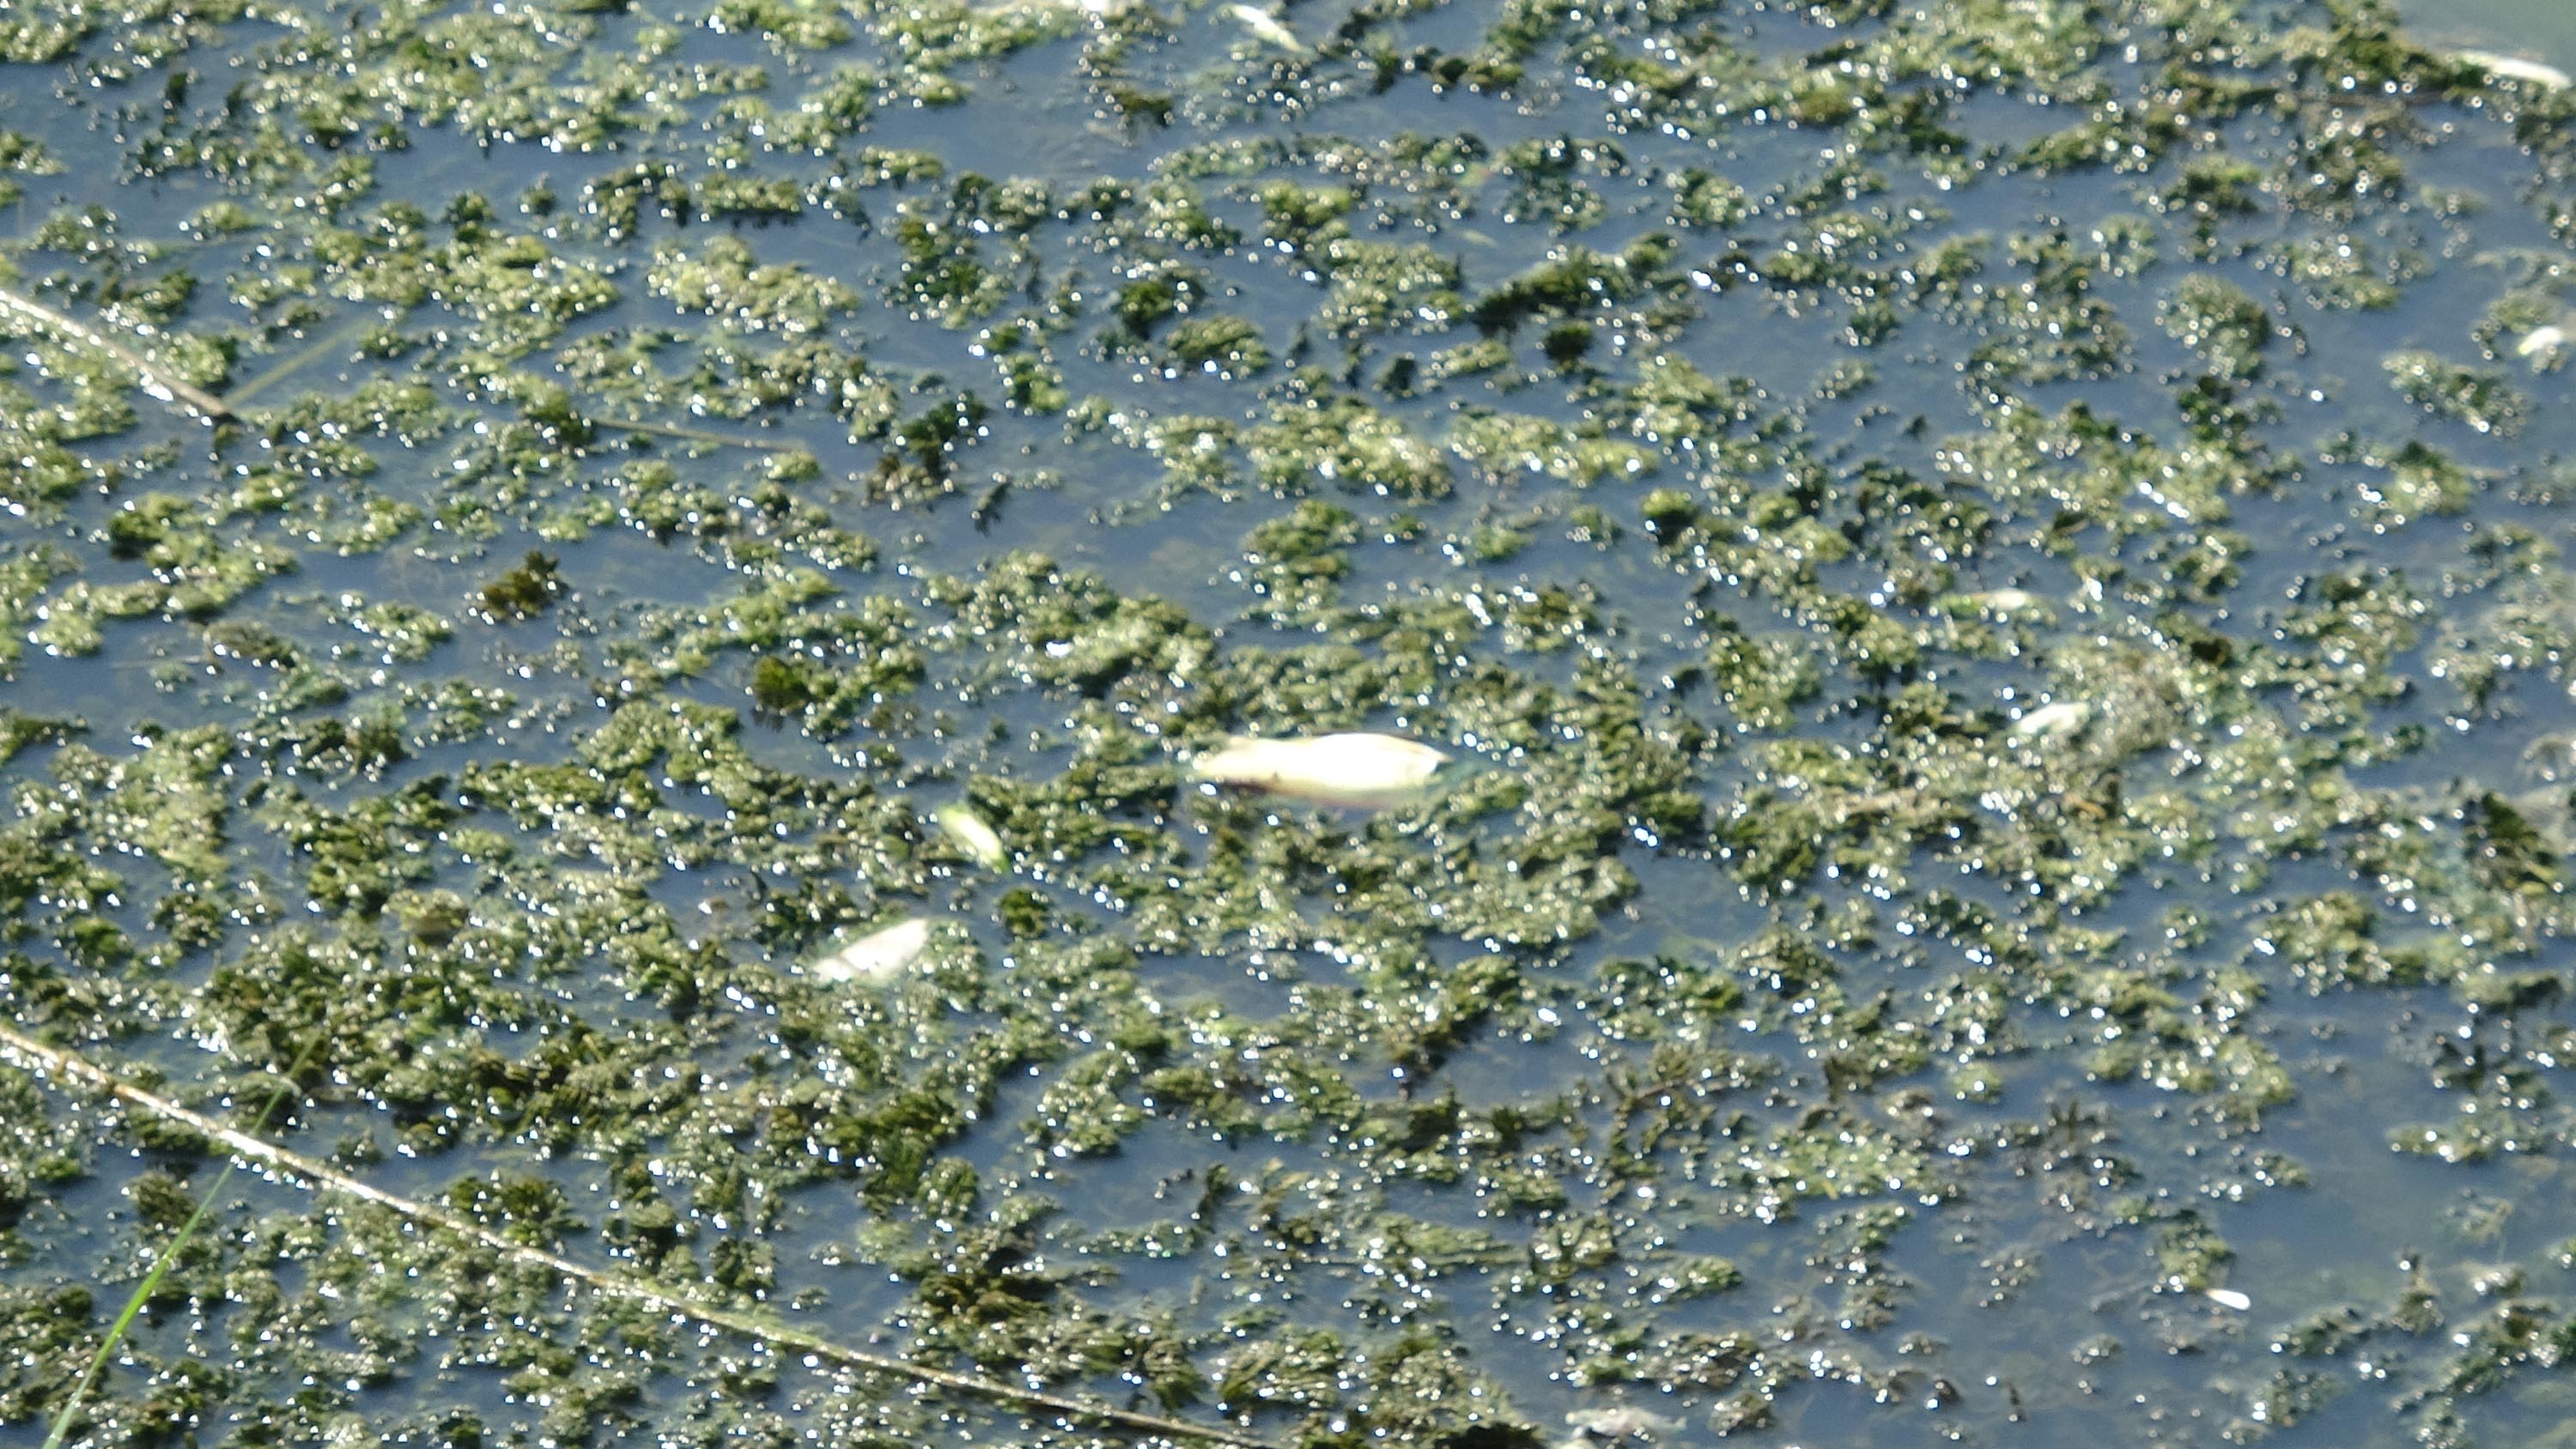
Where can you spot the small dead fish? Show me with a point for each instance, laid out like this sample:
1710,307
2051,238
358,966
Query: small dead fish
1095,8
2053,721
1347,769
2542,345
2514,67
877,956
1266,26
973,836
1626,1422
2229,1298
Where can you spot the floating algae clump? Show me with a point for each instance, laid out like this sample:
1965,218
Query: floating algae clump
1943,630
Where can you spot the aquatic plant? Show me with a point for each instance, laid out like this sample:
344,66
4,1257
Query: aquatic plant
1974,594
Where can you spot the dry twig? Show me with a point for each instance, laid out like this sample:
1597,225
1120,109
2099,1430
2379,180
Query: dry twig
35,1056
157,380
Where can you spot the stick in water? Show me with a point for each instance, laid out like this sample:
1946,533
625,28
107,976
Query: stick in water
157,380
32,1055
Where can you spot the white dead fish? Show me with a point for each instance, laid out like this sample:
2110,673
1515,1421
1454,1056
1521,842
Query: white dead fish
2053,721
2229,1298
2542,345
973,836
877,956
1098,9
1266,26
2514,67
2005,601
1625,1422
1349,769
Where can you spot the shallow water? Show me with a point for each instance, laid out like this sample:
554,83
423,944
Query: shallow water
2542,30
1998,596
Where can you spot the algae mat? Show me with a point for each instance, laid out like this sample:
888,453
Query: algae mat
1991,577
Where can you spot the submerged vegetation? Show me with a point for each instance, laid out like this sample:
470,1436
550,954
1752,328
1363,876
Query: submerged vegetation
1472,726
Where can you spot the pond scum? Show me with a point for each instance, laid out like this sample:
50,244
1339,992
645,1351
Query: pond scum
1989,576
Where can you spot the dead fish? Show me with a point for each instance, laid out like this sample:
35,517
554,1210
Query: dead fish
2053,721
2004,603
2542,345
2514,67
2229,1298
1346,769
880,955
1626,1422
1098,9
973,836
1266,26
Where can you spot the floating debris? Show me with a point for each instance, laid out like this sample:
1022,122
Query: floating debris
2053,721
321,1176
155,378
1096,9
2229,1298
1595,1426
1988,698
1344,769
877,956
974,836
2513,67
1267,26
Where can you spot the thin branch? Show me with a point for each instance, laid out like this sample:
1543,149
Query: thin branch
163,384
157,380
35,1056
295,362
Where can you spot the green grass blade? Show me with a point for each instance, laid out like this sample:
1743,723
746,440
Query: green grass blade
134,1305
151,1283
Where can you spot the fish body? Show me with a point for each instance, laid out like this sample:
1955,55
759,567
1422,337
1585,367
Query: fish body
2229,1298
1594,1426
1266,26
2053,721
1365,770
877,956
974,836
2541,345
2514,67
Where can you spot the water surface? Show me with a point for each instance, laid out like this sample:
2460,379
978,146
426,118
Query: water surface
2542,30
1994,577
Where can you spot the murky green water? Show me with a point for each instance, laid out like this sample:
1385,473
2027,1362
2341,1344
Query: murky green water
1992,576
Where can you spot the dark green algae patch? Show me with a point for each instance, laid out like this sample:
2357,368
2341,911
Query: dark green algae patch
1998,570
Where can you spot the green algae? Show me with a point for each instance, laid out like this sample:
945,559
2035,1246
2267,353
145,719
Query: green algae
1877,540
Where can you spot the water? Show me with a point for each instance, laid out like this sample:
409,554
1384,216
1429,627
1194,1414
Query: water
2538,29
2005,654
